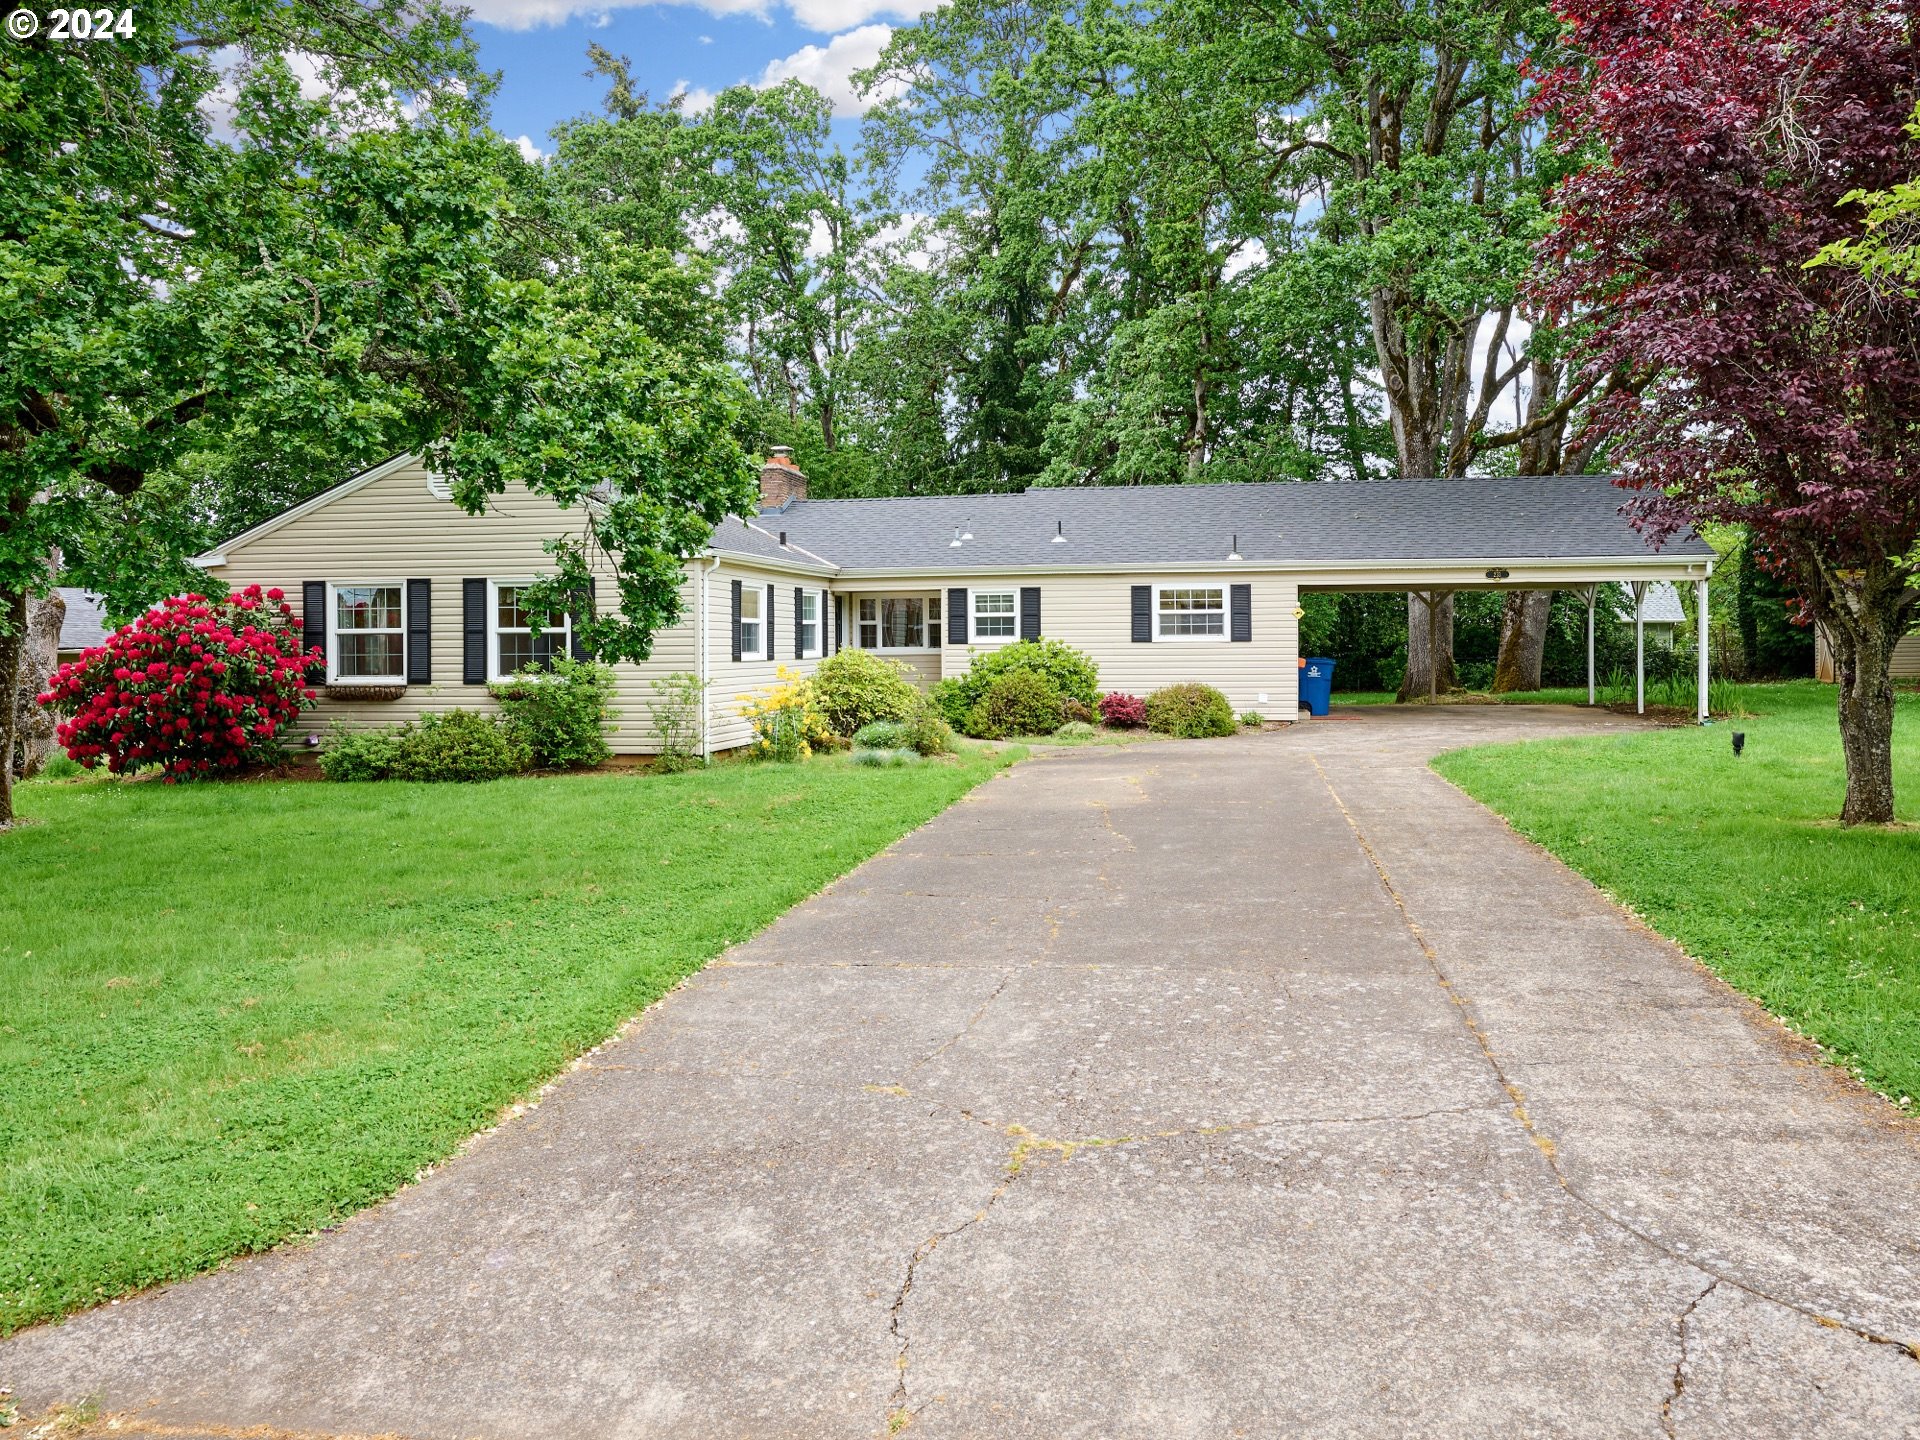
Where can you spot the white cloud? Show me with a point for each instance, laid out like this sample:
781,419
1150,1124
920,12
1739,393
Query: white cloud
830,17
829,68
529,151
694,99
706,39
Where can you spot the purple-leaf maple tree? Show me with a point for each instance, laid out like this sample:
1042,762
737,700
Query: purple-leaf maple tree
1719,143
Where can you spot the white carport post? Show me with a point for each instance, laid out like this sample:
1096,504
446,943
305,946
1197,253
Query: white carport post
1639,647
1700,640
1593,593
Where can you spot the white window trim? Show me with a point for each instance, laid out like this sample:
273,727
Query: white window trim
764,652
1226,613
495,675
925,623
974,637
819,646
334,677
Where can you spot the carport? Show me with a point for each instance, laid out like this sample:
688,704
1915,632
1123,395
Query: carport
1553,533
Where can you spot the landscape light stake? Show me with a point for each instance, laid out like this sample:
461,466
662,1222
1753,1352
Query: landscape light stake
1739,741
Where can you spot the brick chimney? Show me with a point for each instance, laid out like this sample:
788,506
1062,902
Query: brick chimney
780,479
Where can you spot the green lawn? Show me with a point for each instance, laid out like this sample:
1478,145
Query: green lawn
233,1013
1739,859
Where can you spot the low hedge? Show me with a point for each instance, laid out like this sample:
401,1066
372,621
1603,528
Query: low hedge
1020,702
456,745
1192,712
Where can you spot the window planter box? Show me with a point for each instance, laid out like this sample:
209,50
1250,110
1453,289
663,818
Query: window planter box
365,692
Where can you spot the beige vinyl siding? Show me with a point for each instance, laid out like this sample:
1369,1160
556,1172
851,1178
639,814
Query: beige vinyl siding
733,682
1094,613
1906,658
393,529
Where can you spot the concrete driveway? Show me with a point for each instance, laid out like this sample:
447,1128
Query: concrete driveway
1259,1087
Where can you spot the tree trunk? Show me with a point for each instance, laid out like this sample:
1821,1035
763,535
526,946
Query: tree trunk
1420,678
13,636
1865,614
34,742
1523,640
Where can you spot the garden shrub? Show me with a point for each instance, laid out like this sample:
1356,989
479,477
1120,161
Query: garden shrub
1252,719
1069,673
885,759
196,686
1192,712
561,713
457,745
1020,702
787,723
857,687
928,732
1076,710
1123,712
674,705
882,735
1075,730
950,699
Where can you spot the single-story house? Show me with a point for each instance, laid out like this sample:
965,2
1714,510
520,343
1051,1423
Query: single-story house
413,599
1661,613
84,625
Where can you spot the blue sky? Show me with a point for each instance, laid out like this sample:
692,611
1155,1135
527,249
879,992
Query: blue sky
540,48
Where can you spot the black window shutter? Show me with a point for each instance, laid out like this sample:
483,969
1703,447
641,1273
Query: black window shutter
419,632
1142,614
1029,612
767,651
583,610
798,635
313,623
736,619
839,622
957,617
473,632
1240,612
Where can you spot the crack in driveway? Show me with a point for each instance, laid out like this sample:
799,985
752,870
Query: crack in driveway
1545,1144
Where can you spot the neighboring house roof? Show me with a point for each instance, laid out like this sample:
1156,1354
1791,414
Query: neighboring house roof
85,623
1660,607
1561,517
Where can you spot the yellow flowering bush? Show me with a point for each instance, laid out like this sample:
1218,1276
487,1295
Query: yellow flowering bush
786,719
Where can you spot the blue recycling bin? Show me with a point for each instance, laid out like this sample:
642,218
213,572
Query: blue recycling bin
1316,685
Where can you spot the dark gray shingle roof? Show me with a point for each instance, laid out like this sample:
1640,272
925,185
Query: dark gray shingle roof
1533,517
85,623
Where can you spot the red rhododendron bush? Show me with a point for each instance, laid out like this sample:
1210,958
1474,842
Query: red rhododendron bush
197,686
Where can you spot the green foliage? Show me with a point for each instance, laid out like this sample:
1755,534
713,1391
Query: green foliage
1070,673
1772,645
295,1031
1015,702
856,687
674,703
928,732
448,745
1190,711
881,735
950,699
1252,719
1076,730
885,759
561,712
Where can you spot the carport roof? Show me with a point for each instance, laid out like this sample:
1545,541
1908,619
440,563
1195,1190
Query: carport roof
1560,517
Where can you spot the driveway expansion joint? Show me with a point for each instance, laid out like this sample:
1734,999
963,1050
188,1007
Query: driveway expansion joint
1545,1143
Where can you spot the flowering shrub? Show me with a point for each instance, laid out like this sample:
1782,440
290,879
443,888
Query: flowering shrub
1124,712
786,720
196,686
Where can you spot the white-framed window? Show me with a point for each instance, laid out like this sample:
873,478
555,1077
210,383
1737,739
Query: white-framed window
367,635
898,622
1190,612
511,643
753,623
995,615
810,624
